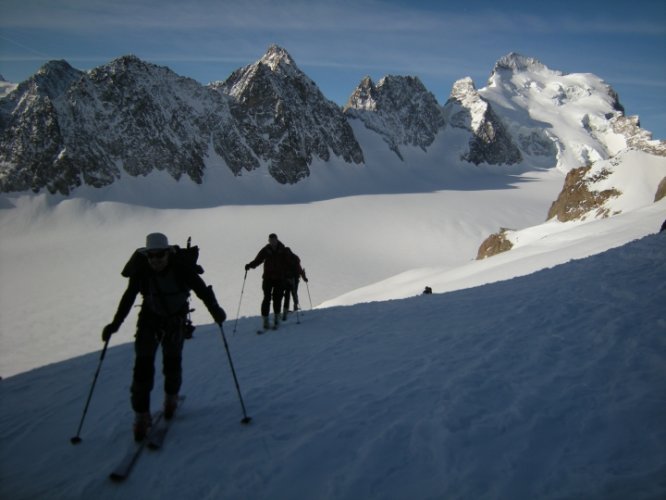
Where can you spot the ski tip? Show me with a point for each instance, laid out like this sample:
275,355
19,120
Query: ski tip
75,440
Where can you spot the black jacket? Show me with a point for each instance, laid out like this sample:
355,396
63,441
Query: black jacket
274,260
165,294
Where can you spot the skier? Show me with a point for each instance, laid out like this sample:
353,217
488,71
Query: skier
294,272
272,256
164,278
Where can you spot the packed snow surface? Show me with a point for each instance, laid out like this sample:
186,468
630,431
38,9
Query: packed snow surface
545,386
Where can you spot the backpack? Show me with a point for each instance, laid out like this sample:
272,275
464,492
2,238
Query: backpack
184,259
293,263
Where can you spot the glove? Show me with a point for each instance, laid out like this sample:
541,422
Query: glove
305,279
219,316
109,330
247,267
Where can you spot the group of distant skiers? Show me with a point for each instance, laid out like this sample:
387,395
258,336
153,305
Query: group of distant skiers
282,273
165,275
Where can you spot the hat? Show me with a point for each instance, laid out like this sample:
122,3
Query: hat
156,241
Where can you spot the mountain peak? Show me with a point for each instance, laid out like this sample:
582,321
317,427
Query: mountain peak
54,77
517,63
276,56
55,65
364,97
126,62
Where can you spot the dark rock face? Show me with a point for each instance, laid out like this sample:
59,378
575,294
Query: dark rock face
398,108
127,115
30,132
63,128
490,142
285,119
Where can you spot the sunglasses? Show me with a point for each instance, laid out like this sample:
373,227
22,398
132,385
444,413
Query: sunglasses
160,254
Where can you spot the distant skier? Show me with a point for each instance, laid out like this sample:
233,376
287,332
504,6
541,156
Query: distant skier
294,272
272,256
164,278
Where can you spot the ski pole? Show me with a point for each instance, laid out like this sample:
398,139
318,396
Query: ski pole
309,298
77,439
239,303
246,419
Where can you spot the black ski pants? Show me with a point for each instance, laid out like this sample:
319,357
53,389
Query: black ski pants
273,291
152,333
291,290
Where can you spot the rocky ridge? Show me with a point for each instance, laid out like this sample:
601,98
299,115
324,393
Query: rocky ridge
64,128
400,109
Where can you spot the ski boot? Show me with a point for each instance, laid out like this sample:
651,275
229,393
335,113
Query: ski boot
170,405
142,423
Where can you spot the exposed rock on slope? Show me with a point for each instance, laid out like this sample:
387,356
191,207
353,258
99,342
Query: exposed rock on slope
577,199
494,244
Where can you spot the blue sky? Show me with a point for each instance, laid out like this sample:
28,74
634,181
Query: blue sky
337,43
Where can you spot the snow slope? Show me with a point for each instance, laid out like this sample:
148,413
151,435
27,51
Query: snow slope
544,386
538,247
60,260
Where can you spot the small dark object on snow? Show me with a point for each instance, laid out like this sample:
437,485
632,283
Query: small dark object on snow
427,291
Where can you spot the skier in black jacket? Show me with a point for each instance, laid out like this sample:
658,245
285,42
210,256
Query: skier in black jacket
164,278
294,272
272,256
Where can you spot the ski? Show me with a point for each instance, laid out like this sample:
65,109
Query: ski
273,328
156,437
126,464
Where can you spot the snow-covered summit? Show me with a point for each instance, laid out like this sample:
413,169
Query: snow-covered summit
576,112
276,62
277,58
514,62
